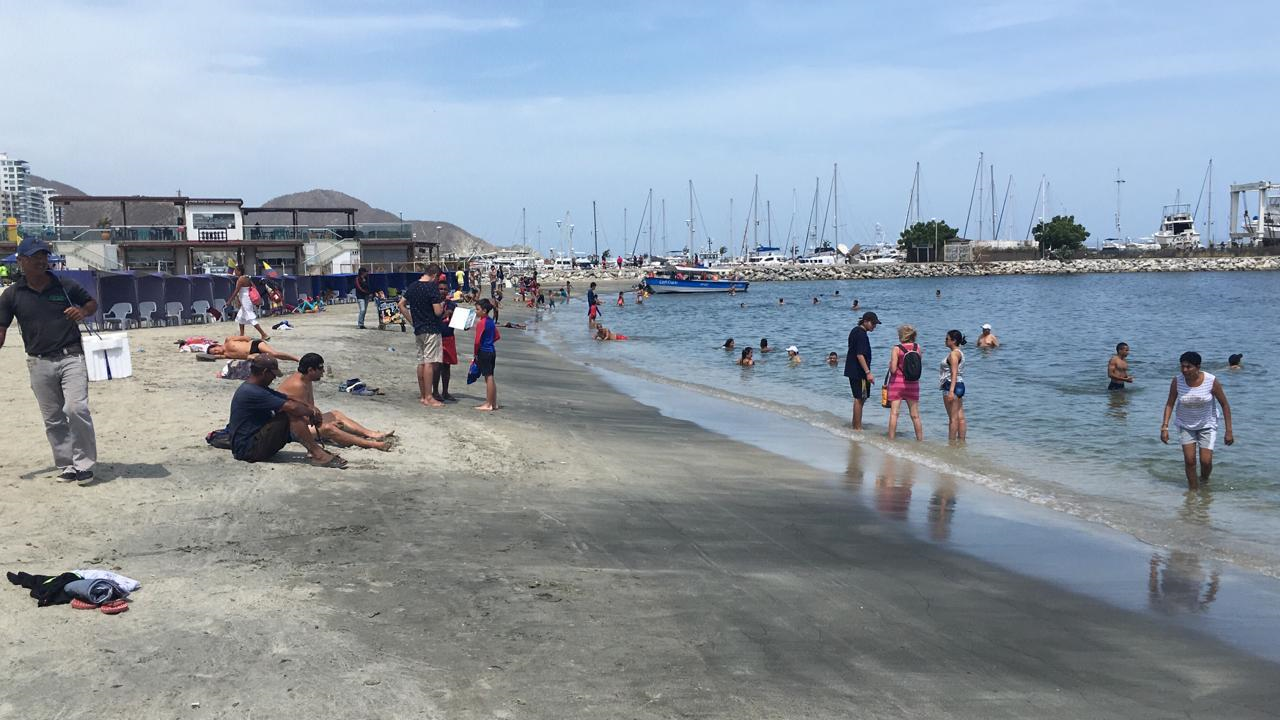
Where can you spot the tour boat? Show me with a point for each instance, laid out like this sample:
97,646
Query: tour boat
682,279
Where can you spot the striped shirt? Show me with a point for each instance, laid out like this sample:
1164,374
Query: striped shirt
1196,409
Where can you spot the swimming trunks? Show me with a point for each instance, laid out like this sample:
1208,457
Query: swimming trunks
253,346
861,388
1113,385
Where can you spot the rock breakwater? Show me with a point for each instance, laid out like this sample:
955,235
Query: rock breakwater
784,273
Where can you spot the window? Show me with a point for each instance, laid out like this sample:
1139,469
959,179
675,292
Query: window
214,221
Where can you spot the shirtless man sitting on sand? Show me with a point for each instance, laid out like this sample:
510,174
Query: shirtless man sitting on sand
335,426
241,347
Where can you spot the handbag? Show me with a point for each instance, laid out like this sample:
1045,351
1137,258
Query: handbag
884,391
473,373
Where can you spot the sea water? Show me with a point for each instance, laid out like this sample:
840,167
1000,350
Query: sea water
1041,425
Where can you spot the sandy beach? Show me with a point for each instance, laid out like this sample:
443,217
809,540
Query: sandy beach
576,555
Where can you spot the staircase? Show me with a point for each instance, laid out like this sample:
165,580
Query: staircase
79,255
320,255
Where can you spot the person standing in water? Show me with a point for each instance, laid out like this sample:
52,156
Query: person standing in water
1194,399
857,364
988,339
951,382
1118,368
764,346
905,364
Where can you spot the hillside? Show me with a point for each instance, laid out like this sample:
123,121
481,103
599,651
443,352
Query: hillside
452,238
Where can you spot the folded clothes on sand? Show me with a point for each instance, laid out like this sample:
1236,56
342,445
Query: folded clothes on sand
127,584
95,591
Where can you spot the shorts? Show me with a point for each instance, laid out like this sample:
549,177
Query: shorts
946,385
1204,437
449,350
1113,386
269,440
430,348
486,361
593,312
255,346
861,388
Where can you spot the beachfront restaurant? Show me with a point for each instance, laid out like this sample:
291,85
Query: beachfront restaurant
184,235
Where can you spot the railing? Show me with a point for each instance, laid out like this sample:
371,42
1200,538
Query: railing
125,234
74,253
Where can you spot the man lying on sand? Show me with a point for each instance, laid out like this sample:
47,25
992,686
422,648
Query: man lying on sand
241,347
263,421
335,426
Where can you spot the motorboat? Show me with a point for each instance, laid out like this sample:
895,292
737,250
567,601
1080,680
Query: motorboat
687,279
1177,229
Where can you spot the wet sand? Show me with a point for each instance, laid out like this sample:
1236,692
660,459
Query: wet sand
577,554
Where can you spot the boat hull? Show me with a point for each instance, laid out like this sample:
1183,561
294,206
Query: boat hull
671,285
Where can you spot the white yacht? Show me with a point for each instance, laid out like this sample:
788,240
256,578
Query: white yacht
881,254
1178,229
765,255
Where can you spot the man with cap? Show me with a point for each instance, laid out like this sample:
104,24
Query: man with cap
263,420
988,339
857,365
793,354
50,310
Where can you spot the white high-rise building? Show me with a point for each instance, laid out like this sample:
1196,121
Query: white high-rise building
19,199
14,183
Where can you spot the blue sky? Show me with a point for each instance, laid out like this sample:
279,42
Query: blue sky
468,112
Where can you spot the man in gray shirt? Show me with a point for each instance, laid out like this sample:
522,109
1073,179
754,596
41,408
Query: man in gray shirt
50,309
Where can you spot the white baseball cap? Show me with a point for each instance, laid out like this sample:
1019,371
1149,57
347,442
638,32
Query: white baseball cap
793,348
986,326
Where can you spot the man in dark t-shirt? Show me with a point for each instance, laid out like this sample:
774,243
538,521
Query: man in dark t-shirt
263,421
50,310
363,295
424,307
857,366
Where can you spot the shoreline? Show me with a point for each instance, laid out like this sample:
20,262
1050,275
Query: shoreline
894,271
577,554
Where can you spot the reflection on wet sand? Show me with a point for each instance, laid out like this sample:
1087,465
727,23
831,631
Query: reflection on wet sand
893,487
942,506
1195,506
1178,583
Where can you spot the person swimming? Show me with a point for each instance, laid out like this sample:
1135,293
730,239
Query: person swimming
833,359
747,359
728,344
1235,361
764,345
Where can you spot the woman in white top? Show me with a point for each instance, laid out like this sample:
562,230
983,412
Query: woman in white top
951,382
1196,396
246,314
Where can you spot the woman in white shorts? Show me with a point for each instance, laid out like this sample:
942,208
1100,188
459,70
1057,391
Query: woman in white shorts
1194,399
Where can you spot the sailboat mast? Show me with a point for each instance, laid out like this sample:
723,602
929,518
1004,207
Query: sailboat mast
664,228
595,232
624,231
1119,182
524,229
650,222
768,218
1209,223
692,246
835,200
994,230
755,213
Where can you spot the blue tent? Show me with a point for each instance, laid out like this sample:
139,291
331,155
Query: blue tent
89,280
117,287
177,289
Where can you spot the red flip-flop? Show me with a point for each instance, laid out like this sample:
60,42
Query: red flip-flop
79,604
115,607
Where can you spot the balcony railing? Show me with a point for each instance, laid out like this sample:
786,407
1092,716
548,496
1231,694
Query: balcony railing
127,234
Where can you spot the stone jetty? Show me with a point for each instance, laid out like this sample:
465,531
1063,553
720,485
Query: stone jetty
783,273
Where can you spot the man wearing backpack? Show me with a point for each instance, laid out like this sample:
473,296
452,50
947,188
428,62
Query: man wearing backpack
857,365
906,362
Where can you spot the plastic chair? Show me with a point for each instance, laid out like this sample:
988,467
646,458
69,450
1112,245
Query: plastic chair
173,311
118,315
146,311
200,309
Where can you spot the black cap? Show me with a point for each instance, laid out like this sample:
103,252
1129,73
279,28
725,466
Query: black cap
870,316
263,364
32,245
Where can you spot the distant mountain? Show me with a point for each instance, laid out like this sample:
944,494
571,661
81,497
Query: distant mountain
452,238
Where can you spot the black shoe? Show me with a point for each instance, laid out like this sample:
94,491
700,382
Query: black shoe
84,477
68,475
360,327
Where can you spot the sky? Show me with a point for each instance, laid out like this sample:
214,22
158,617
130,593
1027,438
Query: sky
470,111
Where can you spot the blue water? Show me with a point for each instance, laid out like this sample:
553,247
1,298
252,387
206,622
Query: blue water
1042,426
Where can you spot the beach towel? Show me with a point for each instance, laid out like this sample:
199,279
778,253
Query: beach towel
235,370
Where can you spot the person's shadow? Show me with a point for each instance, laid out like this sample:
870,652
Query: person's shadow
109,472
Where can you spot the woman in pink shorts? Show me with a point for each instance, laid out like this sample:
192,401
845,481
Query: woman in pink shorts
906,363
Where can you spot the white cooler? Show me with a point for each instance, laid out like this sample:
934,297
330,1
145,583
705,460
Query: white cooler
107,356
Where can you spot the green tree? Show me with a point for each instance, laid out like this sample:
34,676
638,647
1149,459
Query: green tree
1062,236
933,234
604,256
